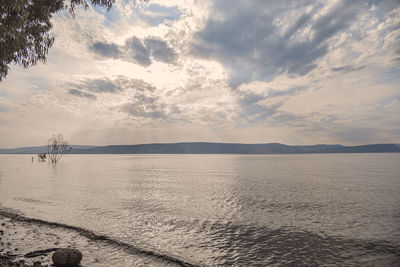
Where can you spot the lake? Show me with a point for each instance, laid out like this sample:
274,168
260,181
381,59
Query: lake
243,210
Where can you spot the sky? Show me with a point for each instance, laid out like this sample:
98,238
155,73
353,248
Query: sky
259,71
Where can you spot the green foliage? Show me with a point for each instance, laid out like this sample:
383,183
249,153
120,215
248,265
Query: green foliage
25,25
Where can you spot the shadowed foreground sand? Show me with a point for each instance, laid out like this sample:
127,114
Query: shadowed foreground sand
30,244
24,244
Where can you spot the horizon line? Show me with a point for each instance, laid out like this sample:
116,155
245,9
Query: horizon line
203,142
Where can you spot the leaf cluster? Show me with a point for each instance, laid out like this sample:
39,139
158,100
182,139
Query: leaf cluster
25,26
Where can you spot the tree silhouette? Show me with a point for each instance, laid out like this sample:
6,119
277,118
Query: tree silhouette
24,29
56,147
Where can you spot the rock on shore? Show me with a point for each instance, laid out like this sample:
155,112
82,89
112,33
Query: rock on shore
67,257
31,243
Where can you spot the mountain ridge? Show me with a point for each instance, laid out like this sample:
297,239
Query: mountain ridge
214,148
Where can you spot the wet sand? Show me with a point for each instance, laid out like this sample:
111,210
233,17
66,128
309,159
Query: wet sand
17,240
32,244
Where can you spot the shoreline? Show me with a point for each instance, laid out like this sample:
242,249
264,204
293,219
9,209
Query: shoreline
31,244
28,242
14,238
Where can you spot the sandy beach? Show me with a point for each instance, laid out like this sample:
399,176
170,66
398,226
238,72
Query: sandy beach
17,239
30,243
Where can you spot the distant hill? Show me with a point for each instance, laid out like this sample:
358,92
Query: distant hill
213,148
234,148
35,149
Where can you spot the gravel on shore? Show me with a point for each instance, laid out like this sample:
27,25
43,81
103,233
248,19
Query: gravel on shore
31,243
15,240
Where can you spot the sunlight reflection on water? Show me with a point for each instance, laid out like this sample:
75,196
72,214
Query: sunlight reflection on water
221,209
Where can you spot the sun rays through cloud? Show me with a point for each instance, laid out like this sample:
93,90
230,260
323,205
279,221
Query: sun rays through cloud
295,72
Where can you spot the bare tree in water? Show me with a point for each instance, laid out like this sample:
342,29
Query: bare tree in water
56,147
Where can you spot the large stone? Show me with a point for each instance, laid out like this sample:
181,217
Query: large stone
67,257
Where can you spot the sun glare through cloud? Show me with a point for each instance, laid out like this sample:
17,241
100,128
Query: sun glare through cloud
296,72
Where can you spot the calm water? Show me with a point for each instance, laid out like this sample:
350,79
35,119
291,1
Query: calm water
247,210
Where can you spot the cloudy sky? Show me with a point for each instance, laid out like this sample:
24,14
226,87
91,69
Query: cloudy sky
259,71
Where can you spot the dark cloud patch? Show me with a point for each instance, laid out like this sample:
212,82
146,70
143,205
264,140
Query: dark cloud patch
252,110
300,22
257,107
175,110
145,106
348,68
101,86
119,84
136,50
142,101
160,50
256,113
144,111
137,85
79,93
384,5
106,50
244,36
95,86
250,99
338,18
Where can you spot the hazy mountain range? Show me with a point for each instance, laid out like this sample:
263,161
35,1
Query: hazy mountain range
213,148
36,149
